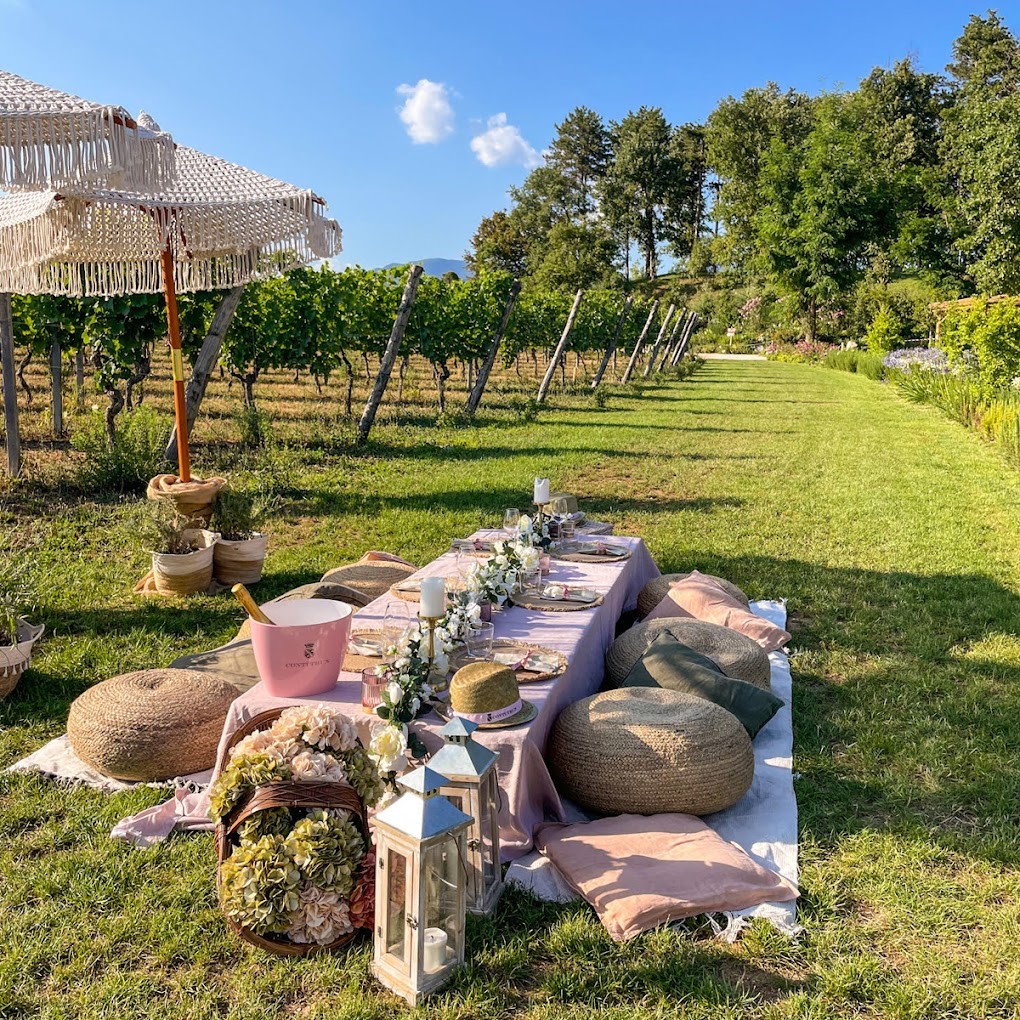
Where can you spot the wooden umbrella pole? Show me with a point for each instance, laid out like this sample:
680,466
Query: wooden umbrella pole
177,362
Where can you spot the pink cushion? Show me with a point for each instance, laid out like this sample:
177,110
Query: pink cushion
667,607
639,871
705,600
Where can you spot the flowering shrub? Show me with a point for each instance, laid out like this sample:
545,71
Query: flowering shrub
802,350
294,872
924,359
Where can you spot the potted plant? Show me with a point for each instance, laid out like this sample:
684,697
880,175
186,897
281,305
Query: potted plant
17,636
240,549
182,554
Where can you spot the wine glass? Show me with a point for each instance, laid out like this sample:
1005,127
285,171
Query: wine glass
511,520
396,620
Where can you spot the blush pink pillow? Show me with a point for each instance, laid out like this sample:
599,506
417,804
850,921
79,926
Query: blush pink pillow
639,872
705,600
667,607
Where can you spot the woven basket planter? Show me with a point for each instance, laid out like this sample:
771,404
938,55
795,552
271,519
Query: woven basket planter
151,725
658,588
185,573
737,656
194,499
239,561
285,795
16,658
648,751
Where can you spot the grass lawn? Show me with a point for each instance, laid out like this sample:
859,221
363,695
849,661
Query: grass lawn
892,531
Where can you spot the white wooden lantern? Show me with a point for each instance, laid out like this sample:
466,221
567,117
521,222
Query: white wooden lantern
472,785
419,888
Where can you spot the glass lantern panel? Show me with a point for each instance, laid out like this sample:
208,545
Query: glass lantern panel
441,873
486,824
455,798
396,905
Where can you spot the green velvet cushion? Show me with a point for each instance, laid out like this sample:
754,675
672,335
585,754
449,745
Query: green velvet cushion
671,664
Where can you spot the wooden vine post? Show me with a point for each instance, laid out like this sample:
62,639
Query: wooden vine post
205,363
10,387
675,336
685,339
560,348
56,390
390,356
482,378
611,346
639,343
658,341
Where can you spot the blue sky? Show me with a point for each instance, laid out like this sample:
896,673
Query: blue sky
311,91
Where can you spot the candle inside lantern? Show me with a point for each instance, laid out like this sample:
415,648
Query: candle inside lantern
435,949
541,490
433,597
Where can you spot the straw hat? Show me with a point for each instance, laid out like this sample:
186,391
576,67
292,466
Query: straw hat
483,690
648,751
736,655
658,588
151,725
370,579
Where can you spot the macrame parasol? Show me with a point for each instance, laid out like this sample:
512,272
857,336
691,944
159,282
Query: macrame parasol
217,226
53,139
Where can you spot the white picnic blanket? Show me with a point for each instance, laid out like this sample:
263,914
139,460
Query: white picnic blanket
763,823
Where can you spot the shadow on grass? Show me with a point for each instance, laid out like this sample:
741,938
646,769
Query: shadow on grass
903,730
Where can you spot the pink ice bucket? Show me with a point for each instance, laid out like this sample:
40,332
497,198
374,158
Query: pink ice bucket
303,652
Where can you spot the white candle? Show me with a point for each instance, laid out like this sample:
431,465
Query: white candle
435,949
433,596
541,490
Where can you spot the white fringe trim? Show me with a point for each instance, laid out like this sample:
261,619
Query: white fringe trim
57,149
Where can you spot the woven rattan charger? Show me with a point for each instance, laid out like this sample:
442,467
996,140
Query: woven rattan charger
285,795
586,552
532,600
524,676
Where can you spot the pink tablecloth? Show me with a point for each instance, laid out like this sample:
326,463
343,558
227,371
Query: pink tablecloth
530,796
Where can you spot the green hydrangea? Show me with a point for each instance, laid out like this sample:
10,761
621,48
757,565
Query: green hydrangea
273,822
327,848
244,773
259,885
363,775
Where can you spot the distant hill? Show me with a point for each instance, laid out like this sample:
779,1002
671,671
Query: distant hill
436,267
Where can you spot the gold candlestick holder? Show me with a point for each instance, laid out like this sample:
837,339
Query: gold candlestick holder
432,622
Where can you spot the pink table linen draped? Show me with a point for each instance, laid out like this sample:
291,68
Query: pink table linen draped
529,794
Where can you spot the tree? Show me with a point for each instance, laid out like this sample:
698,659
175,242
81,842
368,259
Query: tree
986,55
738,136
498,245
580,155
822,205
979,146
640,178
577,256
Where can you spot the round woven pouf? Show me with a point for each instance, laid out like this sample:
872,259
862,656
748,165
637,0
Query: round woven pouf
737,656
648,751
151,725
371,579
658,588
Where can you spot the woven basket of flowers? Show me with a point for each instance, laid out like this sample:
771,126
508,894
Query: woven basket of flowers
296,870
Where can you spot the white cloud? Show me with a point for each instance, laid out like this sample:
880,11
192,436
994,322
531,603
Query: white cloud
426,111
502,145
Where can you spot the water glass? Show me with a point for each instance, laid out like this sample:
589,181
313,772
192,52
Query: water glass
511,520
567,529
479,641
373,679
532,579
